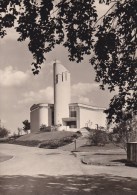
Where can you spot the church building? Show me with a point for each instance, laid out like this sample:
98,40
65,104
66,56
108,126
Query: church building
63,113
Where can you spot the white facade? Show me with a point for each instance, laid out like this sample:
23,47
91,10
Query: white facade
61,80
89,116
82,115
41,114
62,112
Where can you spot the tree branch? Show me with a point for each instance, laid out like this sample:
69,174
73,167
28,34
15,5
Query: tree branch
104,14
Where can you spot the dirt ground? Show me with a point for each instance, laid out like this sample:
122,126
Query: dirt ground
67,185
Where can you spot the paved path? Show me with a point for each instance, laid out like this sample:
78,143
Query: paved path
37,171
33,161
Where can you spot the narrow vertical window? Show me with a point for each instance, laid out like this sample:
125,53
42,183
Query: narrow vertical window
66,76
62,76
56,78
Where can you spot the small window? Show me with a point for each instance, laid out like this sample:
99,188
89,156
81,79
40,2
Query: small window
73,113
56,78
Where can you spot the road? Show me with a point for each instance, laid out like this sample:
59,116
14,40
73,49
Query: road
51,171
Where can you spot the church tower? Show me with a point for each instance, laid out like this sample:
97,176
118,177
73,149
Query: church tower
61,80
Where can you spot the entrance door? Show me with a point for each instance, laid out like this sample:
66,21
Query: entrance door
71,124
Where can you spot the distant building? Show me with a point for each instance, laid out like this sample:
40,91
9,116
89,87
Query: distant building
67,115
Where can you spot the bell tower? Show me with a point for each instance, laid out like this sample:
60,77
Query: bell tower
61,80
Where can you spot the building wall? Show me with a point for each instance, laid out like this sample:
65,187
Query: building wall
38,116
50,120
61,93
90,118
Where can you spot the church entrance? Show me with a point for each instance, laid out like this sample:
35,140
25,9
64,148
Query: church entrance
71,124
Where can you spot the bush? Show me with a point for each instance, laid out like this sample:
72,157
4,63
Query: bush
98,138
45,128
14,136
3,132
31,143
26,127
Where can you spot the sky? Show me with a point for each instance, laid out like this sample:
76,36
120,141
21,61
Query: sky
20,89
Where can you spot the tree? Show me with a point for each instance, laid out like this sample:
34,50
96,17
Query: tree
3,132
115,59
75,24
124,132
26,124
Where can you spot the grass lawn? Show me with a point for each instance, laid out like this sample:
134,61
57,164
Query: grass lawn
46,139
105,159
45,136
107,147
108,155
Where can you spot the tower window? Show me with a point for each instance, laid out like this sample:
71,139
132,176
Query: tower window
56,78
66,75
62,76
72,112
52,117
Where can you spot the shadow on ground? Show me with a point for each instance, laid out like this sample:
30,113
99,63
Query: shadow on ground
67,185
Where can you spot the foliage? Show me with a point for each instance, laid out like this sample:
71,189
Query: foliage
115,59
14,136
44,128
3,132
98,138
26,124
70,26
124,132
74,24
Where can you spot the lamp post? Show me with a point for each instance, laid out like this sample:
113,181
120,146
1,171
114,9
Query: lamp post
75,145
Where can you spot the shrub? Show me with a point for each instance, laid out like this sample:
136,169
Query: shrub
44,128
98,138
14,136
30,143
3,132
26,126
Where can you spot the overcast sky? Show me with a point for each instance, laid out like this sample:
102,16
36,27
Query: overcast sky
19,88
